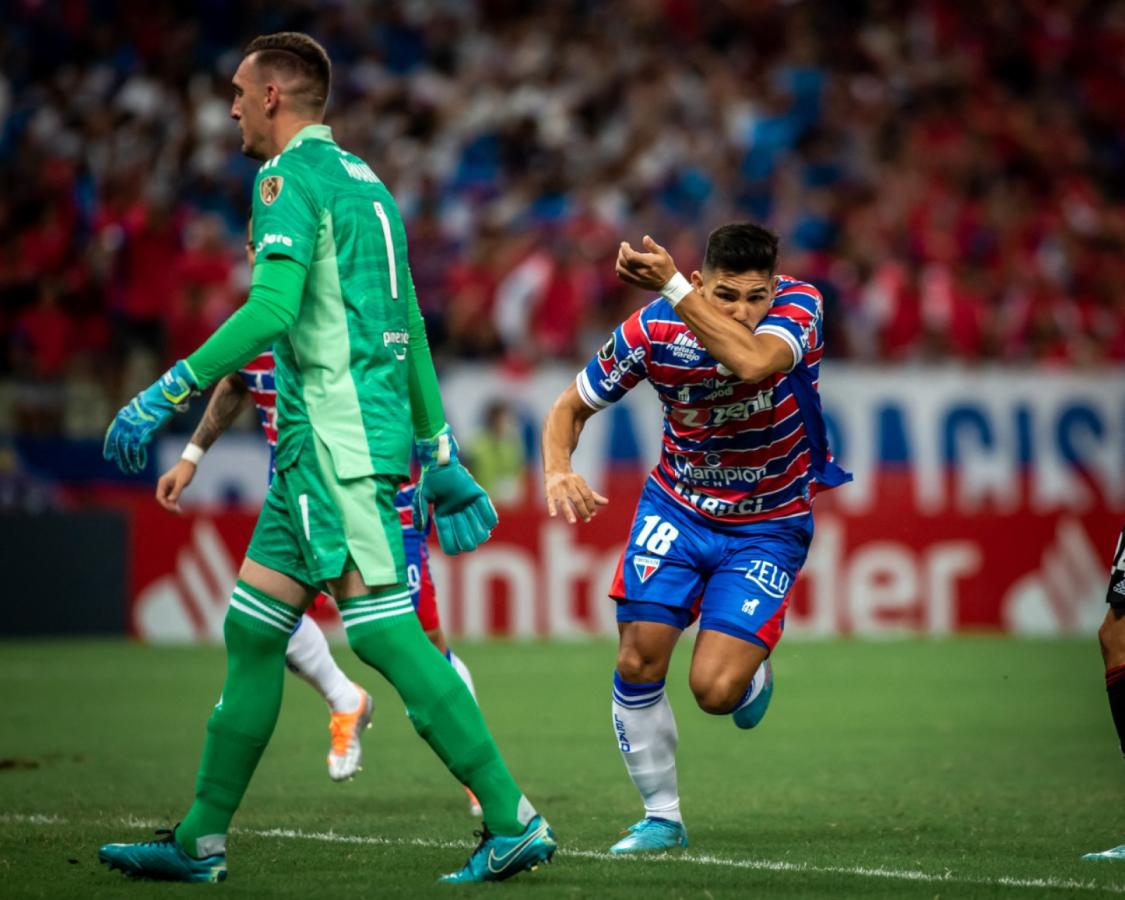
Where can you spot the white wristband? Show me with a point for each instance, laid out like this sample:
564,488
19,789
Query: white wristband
675,289
193,453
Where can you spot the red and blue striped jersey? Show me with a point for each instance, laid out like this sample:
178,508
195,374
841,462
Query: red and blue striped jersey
733,452
404,504
258,376
404,501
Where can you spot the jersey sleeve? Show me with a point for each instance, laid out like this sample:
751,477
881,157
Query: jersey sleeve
619,365
795,317
285,213
426,409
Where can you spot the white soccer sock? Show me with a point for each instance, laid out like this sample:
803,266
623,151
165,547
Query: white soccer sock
753,689
308,656
646,734
463,670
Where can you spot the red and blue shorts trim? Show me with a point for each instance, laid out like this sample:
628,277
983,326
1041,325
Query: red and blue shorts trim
418,578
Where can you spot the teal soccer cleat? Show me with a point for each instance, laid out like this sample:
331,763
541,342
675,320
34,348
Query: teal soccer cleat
651,836
163,860
1112,853
497,857
753,712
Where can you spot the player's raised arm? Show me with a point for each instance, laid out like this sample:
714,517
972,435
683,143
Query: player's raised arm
227,401
565,489
723,315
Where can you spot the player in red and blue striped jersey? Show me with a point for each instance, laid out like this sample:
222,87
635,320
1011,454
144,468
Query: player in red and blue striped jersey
724,521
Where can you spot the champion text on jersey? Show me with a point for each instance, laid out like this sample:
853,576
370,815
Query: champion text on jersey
645,566
712,474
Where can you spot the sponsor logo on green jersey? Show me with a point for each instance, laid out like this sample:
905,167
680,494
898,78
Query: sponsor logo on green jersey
401,340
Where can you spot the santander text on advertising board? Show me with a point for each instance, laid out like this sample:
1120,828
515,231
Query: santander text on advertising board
982,500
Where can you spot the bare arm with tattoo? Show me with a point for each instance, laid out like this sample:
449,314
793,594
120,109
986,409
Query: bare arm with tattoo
228,400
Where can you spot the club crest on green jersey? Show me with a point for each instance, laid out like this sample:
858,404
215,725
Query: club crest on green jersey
269,189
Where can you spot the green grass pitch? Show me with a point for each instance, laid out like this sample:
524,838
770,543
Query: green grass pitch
966,768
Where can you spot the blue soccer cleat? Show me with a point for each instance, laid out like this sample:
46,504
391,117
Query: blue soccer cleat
753,712
1111,853
163,860
498,857
652,835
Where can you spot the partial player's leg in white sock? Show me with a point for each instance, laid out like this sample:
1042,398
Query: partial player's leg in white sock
461,669
753,689
308,656
646,734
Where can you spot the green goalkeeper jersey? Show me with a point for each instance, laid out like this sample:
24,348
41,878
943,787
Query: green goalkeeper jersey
342,369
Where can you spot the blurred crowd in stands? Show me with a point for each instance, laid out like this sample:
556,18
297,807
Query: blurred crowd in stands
950,175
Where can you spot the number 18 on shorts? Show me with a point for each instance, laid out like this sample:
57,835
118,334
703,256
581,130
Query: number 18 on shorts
736,578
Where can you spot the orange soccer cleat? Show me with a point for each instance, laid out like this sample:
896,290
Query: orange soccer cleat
346,754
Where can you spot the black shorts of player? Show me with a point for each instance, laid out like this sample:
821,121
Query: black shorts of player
1115,594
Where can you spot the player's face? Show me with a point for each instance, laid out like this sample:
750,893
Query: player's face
744,296
248,109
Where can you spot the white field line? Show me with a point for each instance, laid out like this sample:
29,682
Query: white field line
37,819
758,865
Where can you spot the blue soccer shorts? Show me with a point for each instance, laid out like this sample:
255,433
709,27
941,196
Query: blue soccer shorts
736,578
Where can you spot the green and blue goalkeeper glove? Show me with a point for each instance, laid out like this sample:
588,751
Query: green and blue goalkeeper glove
135,424
463,514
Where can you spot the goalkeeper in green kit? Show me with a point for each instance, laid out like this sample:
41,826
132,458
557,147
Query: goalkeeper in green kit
331,292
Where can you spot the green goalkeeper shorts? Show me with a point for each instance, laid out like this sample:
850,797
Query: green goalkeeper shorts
315,526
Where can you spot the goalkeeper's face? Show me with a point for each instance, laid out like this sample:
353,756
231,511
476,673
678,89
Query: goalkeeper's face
250,110
744,296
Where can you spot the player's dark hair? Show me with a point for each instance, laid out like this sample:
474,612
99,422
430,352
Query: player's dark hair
296,56
741,247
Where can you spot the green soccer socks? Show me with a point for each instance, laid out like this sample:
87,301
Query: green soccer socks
384,632
256,630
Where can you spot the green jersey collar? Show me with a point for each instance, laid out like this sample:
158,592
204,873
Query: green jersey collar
310,133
